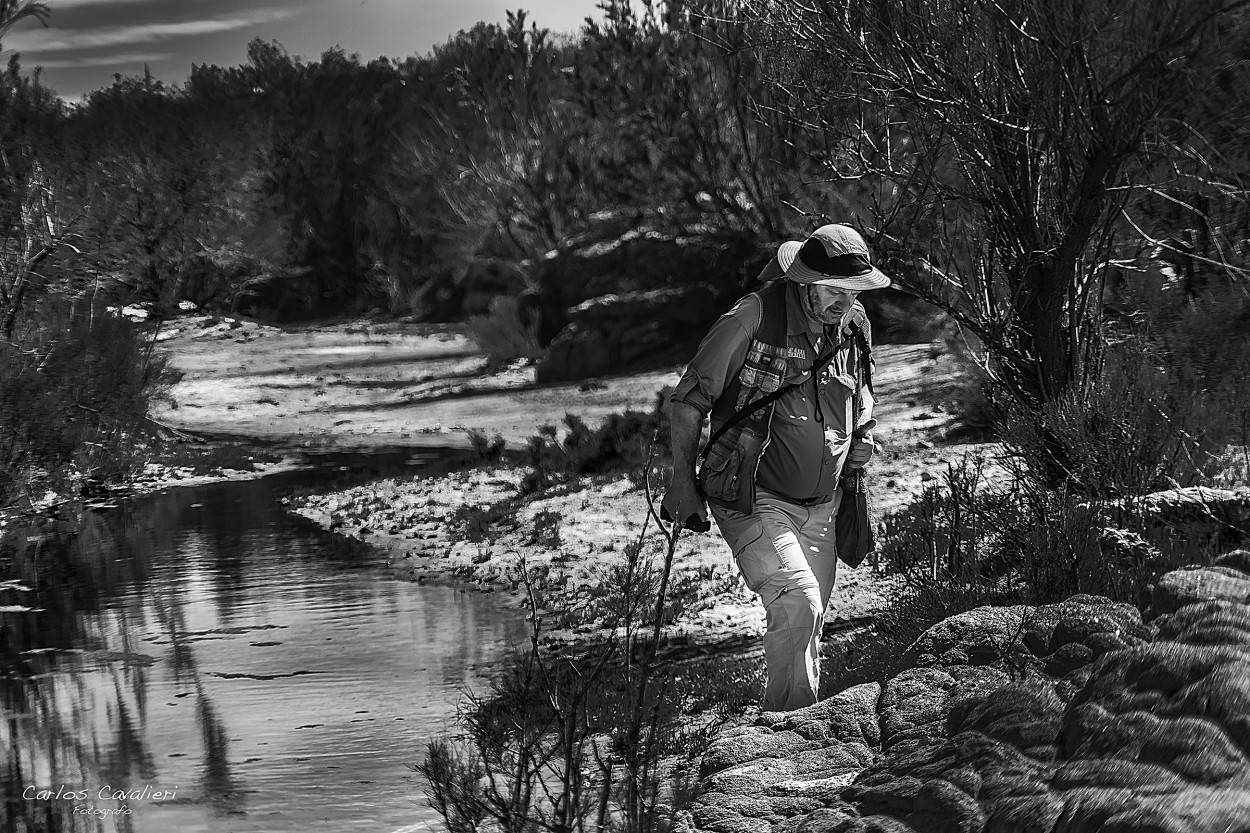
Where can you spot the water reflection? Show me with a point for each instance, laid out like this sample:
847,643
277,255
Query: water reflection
201,661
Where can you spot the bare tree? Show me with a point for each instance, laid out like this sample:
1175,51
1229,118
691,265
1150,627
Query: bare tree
1004,133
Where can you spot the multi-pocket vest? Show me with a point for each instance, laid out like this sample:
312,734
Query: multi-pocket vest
727,475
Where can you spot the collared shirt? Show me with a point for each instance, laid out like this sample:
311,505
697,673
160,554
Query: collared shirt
809,437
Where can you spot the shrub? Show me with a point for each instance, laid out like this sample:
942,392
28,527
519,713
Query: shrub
565,742
966,542
944,535
1134,429
624,442
483,524
502,334
75,383
486,450
1167,402
546,531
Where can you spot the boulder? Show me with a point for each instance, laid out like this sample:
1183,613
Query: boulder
914,705
625,255
1221,516
629,331
980,636
1176,507
622,255
849,716
1093,720
1185,587
750,744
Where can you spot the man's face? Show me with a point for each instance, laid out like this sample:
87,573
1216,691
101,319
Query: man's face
826,304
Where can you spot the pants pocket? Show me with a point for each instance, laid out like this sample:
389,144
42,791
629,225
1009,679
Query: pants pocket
755,555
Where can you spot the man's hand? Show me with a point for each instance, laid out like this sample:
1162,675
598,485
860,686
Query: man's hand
861,452
683,501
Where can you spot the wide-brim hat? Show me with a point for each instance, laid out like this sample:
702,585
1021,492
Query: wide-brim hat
834,255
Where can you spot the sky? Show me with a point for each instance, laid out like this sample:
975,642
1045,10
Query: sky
87,41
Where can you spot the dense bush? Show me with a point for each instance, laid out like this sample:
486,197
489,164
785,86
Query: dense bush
502,334
75,384
624,442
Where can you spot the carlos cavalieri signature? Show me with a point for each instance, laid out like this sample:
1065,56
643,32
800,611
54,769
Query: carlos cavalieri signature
106,793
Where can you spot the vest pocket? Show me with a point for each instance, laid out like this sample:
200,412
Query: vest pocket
719,476
767,380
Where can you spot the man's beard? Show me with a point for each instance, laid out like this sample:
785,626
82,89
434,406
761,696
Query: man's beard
828,317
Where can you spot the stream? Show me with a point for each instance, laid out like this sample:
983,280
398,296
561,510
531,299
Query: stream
202,660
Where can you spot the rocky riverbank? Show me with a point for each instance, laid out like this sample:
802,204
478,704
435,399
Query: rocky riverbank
1080,716
470,528
1083,715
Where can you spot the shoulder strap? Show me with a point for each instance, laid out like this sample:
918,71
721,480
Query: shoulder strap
861,330
862,377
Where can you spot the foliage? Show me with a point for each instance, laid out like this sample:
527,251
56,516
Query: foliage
567,742
546,530
1005,140
1131,431
502,334
624,442
165,191
486,450
75,381
1170,400
479,524
35,222
74,388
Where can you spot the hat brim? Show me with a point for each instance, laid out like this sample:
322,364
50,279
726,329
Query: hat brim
795,270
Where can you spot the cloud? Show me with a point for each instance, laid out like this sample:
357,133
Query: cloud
78,4
116,59
52,40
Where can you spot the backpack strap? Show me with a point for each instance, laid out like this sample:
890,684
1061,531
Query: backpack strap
861,329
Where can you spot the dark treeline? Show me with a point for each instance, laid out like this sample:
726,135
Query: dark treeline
298,187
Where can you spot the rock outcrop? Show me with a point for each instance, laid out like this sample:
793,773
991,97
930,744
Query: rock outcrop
630,298
1074,717
619,332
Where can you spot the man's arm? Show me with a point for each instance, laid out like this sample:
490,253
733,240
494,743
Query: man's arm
683,501
719,356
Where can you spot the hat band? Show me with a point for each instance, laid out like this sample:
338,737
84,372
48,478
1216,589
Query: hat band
842,266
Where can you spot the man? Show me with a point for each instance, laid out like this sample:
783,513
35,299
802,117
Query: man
771,476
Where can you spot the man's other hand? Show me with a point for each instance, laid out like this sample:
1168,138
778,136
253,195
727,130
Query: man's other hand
861,452
684,501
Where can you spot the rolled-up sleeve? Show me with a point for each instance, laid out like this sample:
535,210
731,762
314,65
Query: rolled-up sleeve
719,357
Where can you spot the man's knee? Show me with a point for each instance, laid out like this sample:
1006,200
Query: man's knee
797,607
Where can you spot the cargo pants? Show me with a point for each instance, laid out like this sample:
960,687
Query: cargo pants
786,553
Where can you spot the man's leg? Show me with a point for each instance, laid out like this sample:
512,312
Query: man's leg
787,557
816,537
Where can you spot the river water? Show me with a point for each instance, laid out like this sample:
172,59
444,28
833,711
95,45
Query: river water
201,660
